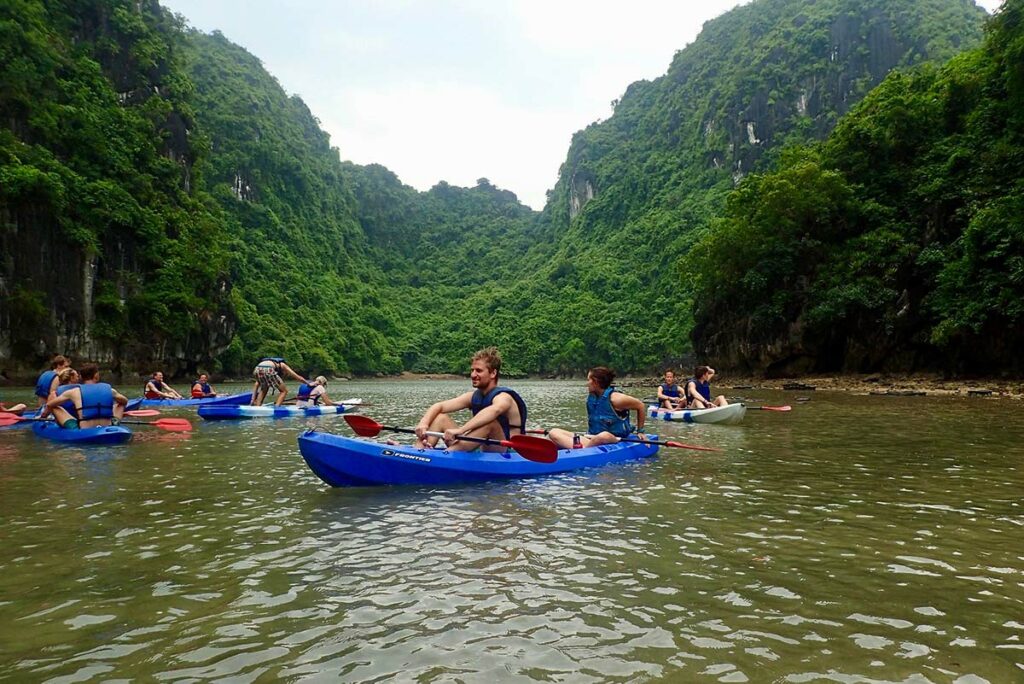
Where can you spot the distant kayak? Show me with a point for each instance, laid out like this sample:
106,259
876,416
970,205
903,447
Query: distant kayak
226,400
345,462
730,414
109,434
239,412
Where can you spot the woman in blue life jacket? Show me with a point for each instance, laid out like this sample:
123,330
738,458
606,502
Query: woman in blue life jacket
313,394
607,414
201,387
670,395
47,381
498,412
698,390
267,376
89,404
67,377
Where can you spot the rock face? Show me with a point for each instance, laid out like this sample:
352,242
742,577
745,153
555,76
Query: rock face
93,210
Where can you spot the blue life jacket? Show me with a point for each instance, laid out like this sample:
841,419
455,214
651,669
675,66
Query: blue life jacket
480,401
156,383
602,416
670,390
703,388
69,405
97,401
204,388
275,359
44,382
304,391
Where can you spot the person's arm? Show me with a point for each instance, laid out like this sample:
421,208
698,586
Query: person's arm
463,401
624,402
661,395
695,395
120,398
295,376
326,400
58,399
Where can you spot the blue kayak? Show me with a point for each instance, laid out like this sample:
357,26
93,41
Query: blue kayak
345,462
271,411
109,434
131,406
227,400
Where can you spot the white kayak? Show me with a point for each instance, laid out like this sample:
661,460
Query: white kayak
730,414
271,411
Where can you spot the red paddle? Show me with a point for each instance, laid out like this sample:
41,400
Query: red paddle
531,448
678,445
171,424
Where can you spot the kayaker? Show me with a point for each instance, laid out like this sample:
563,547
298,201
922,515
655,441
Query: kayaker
313,394
607,414
669,395
267,376
47,381
201,387
156,388
90,404
698,390
67,376
498,412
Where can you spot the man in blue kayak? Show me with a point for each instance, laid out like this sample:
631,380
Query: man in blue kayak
498,412
156,388
607,414
90,404
698,390
670,396
47,382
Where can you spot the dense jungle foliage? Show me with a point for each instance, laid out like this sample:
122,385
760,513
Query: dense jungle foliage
898,242
191,213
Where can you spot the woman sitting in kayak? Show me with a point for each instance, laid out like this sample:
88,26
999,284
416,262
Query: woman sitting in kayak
47,381
267,376
698,390
607,414
156,388
313,394
201,388
90,404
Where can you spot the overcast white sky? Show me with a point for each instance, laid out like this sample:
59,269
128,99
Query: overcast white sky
457,90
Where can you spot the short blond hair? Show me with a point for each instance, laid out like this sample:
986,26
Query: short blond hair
490,356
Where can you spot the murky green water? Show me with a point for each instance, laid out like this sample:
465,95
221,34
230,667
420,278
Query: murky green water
849,540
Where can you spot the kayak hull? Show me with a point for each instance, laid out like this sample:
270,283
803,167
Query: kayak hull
243,412
345,462
228,400
109,434
730,414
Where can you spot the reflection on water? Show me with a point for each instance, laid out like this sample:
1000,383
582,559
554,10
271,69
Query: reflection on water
845,541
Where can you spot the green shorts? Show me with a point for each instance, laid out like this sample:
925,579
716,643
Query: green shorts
70,424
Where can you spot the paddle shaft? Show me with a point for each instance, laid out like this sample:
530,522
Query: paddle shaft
478,440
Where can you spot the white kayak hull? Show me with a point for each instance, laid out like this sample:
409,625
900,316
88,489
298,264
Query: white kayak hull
241,412
730,414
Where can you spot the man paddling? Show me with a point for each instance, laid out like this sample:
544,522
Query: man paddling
607,414
91,404
498,412
156,388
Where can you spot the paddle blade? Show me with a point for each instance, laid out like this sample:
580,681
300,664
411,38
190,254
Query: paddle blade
142,413
680,445
364,426
170,424
533,448
10,419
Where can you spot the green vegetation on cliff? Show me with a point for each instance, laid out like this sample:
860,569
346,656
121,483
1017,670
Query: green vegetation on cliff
896,244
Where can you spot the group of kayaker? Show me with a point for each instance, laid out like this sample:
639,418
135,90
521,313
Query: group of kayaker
695,395
156,388
76,398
